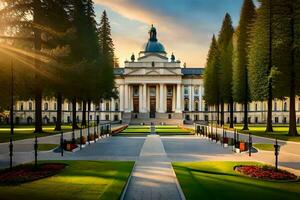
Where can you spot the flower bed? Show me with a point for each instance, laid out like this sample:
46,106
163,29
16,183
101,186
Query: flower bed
266,173
27,173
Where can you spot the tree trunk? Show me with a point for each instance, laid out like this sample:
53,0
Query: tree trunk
222,114
58,112
89,110
270,92
38,112
245,128
231,114
269,114
218,113
74,120
38,88
292,121
83,122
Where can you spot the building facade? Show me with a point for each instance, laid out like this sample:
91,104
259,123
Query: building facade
154,86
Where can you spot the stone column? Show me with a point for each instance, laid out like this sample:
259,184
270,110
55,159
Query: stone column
145,98
121,97
193,98
178,99
161,98
190,98
126,97
201,98
141,98
113,105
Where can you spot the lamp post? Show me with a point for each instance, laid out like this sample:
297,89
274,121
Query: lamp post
11,146
250,144
277,149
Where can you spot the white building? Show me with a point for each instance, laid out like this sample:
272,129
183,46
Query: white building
156,87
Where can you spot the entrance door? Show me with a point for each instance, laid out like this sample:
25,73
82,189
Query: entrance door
152,107
136,105
169,105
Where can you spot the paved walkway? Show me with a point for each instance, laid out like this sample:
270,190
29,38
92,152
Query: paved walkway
153,176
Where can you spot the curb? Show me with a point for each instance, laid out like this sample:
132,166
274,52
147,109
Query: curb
127,183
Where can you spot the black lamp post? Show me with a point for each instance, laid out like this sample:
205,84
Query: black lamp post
11,146
277,149
250,144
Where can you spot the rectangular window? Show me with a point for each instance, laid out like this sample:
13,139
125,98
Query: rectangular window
152,91
196,91
186,90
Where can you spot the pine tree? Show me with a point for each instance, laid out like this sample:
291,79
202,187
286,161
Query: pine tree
225,73
285,48
107,57
211,86
261,58
240,64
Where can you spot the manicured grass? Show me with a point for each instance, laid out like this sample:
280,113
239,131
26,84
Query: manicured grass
80,180
264,147
218,180
47,147
171,130
280,132
25,132
135,130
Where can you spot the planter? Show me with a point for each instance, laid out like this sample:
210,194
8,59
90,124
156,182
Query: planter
242,146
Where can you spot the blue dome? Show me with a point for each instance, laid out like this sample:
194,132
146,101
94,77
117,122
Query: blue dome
155,47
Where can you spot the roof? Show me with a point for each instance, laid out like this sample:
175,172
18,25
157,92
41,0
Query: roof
192,71
184,71
119,71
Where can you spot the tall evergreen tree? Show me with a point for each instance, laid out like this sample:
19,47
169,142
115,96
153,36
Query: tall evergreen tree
211,86
261,56
107,57
240,64
225,73
286,49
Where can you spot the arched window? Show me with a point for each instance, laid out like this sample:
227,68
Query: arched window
186,104
22,107
196,105
116,106
46,106
284,106
30,105
55,106
256,107
107,106
275,106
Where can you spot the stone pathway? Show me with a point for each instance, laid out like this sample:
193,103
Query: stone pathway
153,176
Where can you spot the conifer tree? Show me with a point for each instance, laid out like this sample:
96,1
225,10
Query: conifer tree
240,64
211,86
261,58
225,73
286,49
107,57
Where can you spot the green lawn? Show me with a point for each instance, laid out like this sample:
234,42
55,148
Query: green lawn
264,147
133,131
280,132
166,131
80,180
218,180
46,147
26,131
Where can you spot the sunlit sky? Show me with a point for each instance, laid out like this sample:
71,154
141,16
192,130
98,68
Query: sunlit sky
184,27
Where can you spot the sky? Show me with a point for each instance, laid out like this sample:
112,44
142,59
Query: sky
184,27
